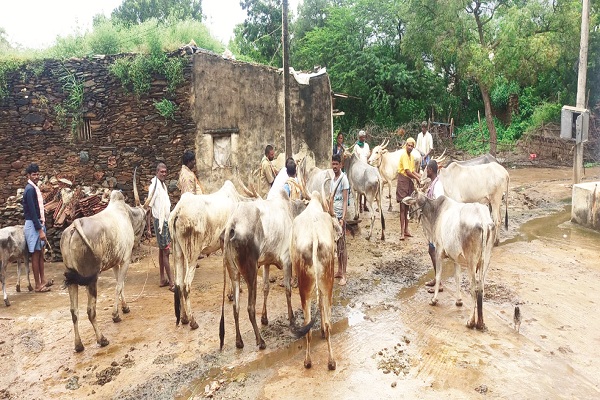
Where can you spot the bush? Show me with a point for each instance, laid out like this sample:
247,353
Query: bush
166,109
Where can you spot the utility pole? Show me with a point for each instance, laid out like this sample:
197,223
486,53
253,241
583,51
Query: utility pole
286,81
581,80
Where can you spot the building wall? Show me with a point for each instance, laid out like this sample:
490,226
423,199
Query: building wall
239,101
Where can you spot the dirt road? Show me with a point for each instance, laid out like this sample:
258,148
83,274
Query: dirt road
388,341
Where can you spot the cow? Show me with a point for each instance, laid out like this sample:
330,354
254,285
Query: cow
13,248
387,164
463,232
483,183
483,159
258,234
312,251
91,245
195,225
365,179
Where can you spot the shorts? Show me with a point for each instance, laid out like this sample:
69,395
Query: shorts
404,187
32,237
162,238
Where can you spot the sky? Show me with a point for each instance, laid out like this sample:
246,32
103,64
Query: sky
36,23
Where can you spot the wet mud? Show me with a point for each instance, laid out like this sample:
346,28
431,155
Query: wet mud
387,340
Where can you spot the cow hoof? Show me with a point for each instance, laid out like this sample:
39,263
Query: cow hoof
103,342
230,297
331,365
262,345
481,328
30,288
193,324
6,302
79,348
433,302
458,303
18,288
116,319
264,320
307,364
239,345
470,324
126,310
184,321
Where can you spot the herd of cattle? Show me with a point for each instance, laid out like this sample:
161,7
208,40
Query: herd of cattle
297,236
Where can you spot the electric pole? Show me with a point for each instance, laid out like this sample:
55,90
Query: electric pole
286,81
581,80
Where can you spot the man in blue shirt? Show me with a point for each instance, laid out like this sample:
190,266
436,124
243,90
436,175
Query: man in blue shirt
35,230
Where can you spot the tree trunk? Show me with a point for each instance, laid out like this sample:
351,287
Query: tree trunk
485,94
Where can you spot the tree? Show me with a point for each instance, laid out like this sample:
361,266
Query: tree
486,39
132,12
259,36
4,43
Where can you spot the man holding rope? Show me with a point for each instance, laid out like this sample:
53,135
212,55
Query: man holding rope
339,196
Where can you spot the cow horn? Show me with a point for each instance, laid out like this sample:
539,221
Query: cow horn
246,191
440,158
385,143
136,195
254,192
326,201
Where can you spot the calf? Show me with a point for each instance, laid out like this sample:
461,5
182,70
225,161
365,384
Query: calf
312,249
463,232
13,248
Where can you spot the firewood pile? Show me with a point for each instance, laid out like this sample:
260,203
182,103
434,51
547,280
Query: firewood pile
62,205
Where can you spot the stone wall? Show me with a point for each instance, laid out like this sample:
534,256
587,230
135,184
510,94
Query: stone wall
223,103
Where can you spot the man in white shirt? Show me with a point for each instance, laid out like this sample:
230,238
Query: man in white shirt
435,190
280,179
424,145
160,206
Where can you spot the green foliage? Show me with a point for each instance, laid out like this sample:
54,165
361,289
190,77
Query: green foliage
73,104
135,73
166,109
501,92
259,36
61,115
133,12
545,113
7,67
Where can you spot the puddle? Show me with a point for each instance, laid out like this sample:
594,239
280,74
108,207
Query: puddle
557,228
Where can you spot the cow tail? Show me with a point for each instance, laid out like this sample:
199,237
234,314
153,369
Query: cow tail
380,202
79,229
506,205
73,277
177,303
175,246
222,322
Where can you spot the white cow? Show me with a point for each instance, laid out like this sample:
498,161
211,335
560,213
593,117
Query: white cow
97,243
463,232
483,183
312,249
365,179
387,163
195,225
13,248
258,234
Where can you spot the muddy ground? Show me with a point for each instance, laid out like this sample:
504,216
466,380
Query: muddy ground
388,341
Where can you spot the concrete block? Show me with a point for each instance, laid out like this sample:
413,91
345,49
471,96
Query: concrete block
586,205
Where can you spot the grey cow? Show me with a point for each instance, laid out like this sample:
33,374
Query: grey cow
13,248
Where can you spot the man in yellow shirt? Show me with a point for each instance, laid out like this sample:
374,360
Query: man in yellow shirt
405,186
267,171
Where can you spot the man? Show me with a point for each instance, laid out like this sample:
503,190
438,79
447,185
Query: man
187,179
160,206
405,186
291,185
281,178
339,195
435,190
267,170
35,229
363,151
424,144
